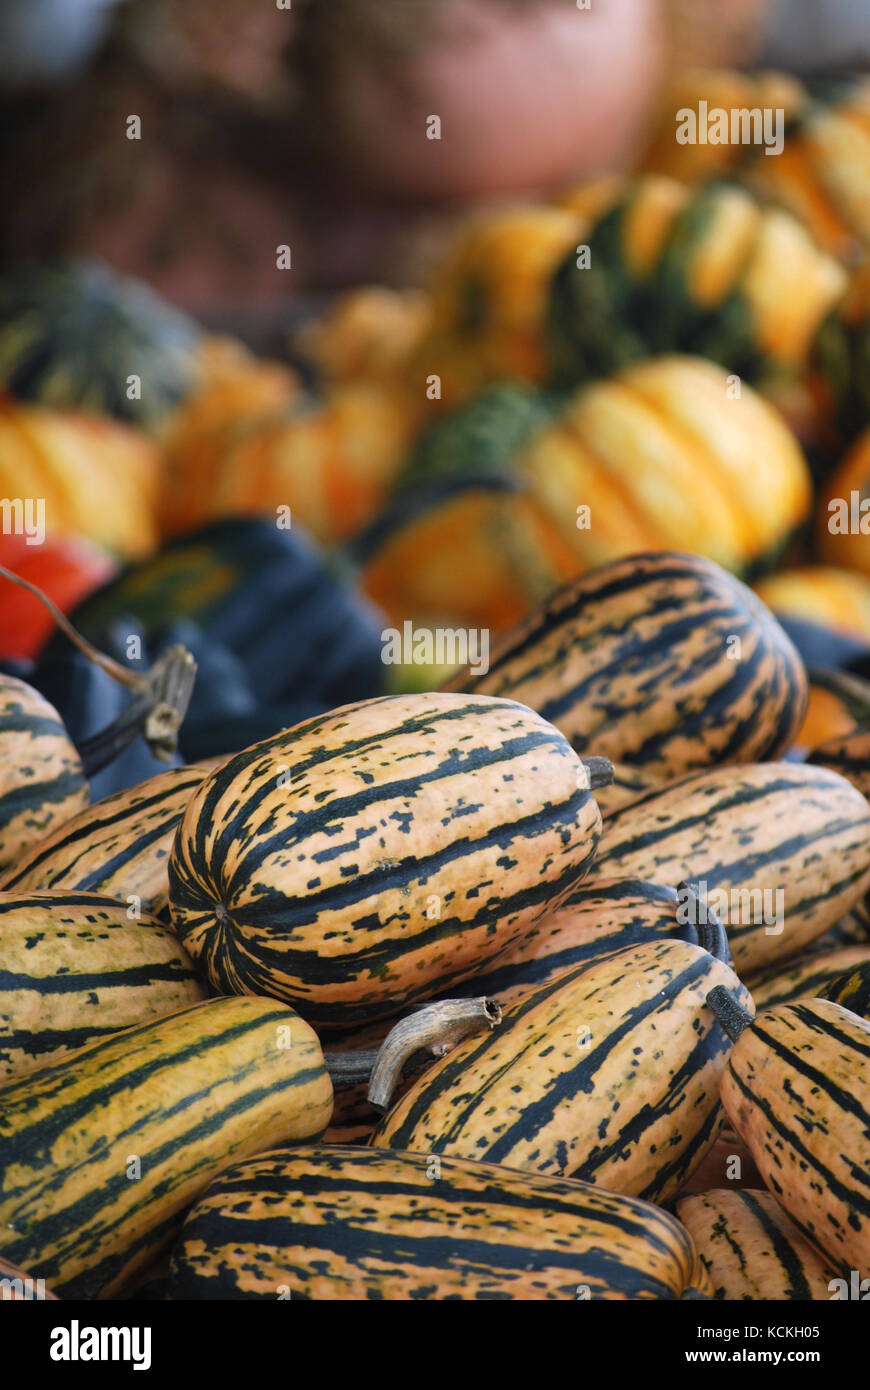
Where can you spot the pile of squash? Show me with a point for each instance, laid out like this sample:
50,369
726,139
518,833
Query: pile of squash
624,366
553,983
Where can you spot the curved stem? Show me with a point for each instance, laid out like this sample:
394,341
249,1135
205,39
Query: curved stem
600,771
350,1068
161,694
434,1028
711,933
732,1015
102,748
852,690
122,674
156,711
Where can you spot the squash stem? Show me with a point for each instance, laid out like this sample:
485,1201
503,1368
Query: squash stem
102,748
732,1015
156,711
711,932
161,694
852,690
600,771
433,1028
122,674
350,1068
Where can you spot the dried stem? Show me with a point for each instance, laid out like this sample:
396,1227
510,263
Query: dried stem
731,1014
160,695
711,932
133,680
433,1028
600,771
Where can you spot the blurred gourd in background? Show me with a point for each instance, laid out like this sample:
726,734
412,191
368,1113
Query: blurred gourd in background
76,336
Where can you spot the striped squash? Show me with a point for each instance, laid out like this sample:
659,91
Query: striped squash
118,846
595,920
675,269
378,855
808,977
489,301
17,1286
331,461
609,1073
751,1249
665,449
853,930
719,87
821,175
851,989
73,332
42,783
186,1095
848,754
797,1090
335,1223
75,967
600,660
783,828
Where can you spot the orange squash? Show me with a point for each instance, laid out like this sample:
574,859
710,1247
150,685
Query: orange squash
489,299
835,598
719,87
332,462
668,452
366,334
473,552
96,476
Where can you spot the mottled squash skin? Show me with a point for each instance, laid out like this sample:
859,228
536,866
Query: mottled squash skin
750,1249
76,967
600,660
118,846
797,1090
609,1073
187,1095
809,976
42,782
354,1223
768,828
378,855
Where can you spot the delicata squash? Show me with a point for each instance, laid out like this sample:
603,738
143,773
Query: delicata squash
340,1222
377,855
184,1095
609,1073
797,1089
599,660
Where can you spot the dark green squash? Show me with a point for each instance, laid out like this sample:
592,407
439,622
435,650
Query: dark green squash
72,332
482,437
673,269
